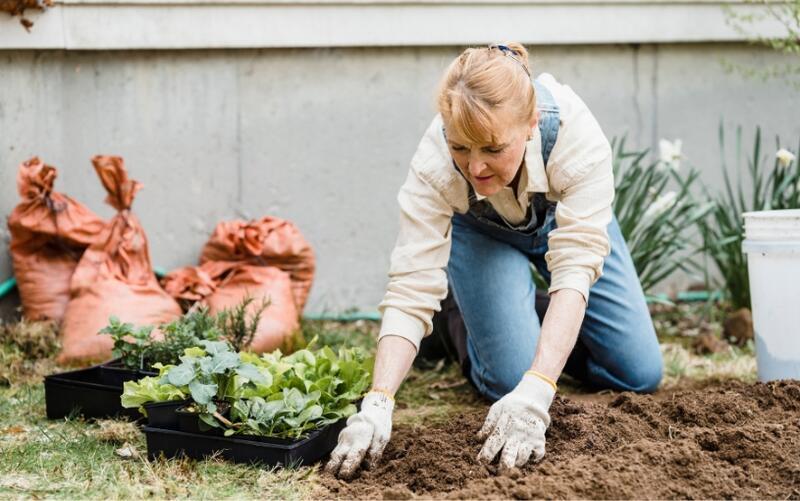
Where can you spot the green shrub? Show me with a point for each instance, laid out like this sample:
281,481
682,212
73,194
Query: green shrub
656,210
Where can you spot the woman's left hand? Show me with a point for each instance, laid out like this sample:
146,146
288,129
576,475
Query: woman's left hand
516,424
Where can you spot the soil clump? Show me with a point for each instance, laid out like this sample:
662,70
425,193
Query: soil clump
732,440
706,344
738,327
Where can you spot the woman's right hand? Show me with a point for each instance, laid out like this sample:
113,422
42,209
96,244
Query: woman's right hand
366,435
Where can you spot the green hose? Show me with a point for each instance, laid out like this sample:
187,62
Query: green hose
345,317
7,286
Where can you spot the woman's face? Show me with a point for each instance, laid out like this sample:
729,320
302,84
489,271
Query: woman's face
490,167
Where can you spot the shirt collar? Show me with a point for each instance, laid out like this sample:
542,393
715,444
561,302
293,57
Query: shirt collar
534,178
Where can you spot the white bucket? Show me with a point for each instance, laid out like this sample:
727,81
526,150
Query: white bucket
772,245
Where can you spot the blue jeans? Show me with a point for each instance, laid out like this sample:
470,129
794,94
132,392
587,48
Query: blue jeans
490,277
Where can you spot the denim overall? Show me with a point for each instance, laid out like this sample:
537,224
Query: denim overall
490,279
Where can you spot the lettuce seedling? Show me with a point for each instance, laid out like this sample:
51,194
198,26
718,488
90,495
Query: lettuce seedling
151,390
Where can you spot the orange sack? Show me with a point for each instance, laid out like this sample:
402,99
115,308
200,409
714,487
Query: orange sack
223,285
114,277
268,241
49,232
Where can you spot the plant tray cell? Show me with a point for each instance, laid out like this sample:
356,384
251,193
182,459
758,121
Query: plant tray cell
263,450
115,374
94,392
162,414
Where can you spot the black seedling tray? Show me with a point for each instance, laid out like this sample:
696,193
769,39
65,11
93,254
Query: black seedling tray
189,422
116,374
94,392
162,414
241,449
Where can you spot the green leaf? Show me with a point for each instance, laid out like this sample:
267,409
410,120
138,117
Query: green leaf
328,353
222,362
181,375
148,390
348,411
194,352
293,399
202,393
302,357
209,420
215,347
266,411
309,413
250,358
251,373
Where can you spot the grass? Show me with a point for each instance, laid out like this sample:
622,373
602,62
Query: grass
72,458
77,459
681,364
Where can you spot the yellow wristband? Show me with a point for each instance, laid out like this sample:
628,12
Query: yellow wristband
383,392
543,378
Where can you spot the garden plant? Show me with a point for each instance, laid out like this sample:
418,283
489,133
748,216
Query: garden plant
656,221
136,349
271,395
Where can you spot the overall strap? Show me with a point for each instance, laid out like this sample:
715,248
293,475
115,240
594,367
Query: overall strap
549,119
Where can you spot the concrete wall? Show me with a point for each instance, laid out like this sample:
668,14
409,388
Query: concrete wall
323,136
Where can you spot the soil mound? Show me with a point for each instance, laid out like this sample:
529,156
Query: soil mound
730,441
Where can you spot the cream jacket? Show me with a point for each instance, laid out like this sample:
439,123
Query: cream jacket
578,177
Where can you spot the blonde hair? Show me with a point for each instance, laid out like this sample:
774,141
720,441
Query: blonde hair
482,80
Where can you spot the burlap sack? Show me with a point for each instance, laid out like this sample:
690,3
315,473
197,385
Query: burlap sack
49,232
268,241
223,285
114,277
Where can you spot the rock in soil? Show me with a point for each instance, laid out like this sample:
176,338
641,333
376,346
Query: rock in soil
729,441
738,326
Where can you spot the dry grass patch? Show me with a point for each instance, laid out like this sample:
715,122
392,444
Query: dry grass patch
681,364
26,351
116,432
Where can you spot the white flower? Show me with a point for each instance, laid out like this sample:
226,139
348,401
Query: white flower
661,204
785,157
670,153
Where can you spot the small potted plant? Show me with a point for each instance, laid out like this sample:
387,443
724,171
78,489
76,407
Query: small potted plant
95,391
159,402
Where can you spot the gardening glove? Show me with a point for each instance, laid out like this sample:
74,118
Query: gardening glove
366,434
516,423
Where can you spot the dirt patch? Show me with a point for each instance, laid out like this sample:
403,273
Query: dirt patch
730,441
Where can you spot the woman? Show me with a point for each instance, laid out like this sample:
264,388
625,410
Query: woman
510,173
